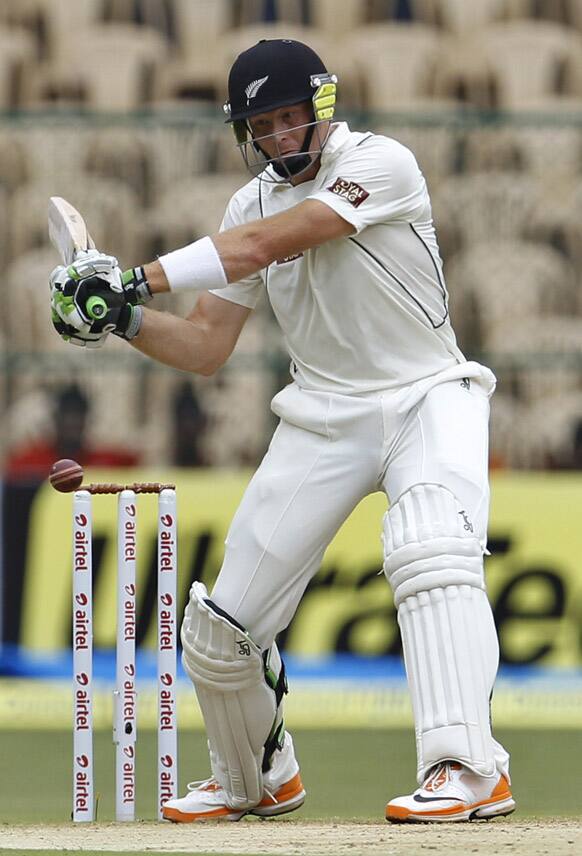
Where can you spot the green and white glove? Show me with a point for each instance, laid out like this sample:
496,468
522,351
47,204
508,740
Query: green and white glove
135,286
73,337
94,297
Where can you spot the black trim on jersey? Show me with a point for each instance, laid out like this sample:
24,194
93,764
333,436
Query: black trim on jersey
436,267
365,140
402,286
261,197
262,218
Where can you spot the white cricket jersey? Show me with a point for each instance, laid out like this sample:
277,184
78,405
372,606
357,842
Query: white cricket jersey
367,312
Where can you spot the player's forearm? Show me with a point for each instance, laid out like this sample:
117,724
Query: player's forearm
230,256
156,278
238,253
176,342
246,249
210,263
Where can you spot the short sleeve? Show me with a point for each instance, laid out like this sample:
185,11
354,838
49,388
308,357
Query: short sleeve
246,291
376,181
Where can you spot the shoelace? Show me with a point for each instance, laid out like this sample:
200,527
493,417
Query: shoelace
203,784
443,769
429,784
270,794
212,784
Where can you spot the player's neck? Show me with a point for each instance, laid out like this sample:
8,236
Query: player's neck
308,175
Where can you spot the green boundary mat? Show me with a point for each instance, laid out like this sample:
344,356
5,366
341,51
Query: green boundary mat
43,704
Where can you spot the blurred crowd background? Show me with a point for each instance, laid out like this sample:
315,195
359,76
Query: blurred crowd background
117,105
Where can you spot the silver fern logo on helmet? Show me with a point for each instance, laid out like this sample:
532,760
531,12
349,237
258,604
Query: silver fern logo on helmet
253,88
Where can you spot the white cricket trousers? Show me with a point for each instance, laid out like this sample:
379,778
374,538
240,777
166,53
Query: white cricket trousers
328,452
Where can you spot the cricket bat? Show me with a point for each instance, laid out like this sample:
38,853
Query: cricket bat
67,230
69,235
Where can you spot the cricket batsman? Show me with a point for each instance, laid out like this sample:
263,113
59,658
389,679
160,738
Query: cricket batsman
336,227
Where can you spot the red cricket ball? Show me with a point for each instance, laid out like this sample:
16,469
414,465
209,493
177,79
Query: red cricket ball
66,475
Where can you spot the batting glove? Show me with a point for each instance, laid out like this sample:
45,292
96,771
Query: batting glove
93,296
72,336
131,283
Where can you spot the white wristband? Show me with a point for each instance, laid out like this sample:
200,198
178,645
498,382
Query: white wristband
196,266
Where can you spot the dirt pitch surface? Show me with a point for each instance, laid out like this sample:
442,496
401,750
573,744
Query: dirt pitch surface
287,838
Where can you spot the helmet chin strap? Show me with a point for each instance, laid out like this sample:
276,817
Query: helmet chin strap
295,164
292,166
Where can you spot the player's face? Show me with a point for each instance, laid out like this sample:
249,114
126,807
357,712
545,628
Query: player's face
281,132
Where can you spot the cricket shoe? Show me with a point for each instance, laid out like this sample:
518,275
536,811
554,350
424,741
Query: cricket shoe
282,792
452,792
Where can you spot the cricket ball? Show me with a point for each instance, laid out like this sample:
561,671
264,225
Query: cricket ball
66,475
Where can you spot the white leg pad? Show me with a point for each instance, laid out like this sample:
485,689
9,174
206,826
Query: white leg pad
236,693
434,565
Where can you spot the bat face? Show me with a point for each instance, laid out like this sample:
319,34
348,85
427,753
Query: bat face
67,230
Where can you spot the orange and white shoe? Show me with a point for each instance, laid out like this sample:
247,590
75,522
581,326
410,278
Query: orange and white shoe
288,797
451,793
208,801
283,791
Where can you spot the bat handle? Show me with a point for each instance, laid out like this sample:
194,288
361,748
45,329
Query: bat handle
96,308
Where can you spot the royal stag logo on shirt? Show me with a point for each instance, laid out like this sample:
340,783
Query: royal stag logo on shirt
288,259
350,191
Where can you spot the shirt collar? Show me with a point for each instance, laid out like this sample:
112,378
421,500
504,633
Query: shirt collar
338,135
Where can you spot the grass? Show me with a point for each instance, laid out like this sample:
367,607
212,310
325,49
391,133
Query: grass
347,774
